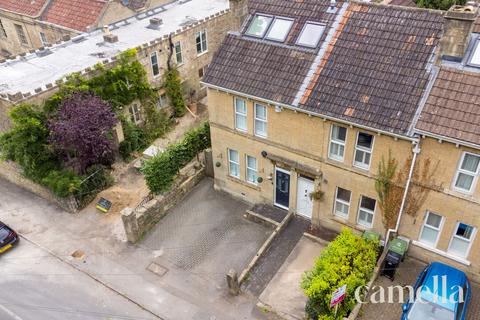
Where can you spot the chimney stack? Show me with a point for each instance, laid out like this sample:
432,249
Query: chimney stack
458,24
155,23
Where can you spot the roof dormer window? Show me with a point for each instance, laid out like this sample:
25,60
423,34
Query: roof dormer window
279,29
311,34
475,56
259,26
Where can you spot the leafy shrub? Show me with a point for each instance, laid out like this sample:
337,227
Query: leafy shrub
160,171
135,139
26,143
173,88
62,182
349,260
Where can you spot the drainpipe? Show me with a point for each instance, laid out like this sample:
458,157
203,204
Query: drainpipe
416,151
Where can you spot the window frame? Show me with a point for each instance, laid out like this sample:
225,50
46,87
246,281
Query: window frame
230,162
463,171
272,23
247,169
21,34
178,52
255,119
476,46
236,113
43,39
135,115
199,36
162,102
3,32
439,229
338,142
360,208
335,212
272,18
154,54
363,149
470,241
303,30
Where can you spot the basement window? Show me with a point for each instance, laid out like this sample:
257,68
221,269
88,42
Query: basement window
311,34
279,29
259,26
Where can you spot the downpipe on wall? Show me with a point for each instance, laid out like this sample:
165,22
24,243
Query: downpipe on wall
416,150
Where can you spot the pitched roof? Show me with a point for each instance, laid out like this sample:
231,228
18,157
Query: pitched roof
371,69
74,14
376,72
453,107
404,3
26,7
259,69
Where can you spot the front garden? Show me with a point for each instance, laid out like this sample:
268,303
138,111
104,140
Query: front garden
68,143
348,260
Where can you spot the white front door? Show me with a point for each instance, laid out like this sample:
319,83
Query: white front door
304,202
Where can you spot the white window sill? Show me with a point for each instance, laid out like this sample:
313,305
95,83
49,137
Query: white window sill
361,167
441,253
339,160
202,53
261,136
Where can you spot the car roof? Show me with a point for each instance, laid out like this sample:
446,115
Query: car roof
439,293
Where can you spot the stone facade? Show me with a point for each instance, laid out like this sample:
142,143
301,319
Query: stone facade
299,144
34,25
191,69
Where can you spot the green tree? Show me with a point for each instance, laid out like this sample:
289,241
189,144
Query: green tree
173,88
438,4
26,143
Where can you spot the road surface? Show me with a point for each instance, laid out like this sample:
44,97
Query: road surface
37,286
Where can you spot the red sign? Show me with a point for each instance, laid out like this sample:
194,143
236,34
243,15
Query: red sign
338,296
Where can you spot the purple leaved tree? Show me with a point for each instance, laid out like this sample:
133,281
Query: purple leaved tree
81,132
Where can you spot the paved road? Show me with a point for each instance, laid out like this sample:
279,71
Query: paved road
37,286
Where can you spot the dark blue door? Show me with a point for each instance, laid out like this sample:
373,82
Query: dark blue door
282,189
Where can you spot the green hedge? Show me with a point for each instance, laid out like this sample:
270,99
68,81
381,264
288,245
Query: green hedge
160,171
349,260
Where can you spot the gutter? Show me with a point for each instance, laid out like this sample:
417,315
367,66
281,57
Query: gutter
416,150
286,106
447,139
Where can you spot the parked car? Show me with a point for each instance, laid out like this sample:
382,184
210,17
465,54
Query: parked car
8,237
436,304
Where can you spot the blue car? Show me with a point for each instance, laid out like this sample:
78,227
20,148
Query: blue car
439,299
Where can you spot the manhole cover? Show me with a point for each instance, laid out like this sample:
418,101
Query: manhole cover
157,269
78,254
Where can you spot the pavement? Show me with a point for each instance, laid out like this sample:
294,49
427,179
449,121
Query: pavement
283,294
182,291
407,274
35,285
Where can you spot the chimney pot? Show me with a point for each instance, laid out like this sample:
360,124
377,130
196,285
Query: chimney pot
110,38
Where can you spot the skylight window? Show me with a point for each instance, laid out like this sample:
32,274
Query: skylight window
475,57
259,26
280,29
311,34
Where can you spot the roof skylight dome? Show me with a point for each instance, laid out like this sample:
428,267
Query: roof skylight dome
259,25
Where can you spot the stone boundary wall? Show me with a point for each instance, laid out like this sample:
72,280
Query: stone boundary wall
11,172
137,222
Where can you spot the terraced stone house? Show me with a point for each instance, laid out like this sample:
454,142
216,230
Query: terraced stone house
30,24
309,96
